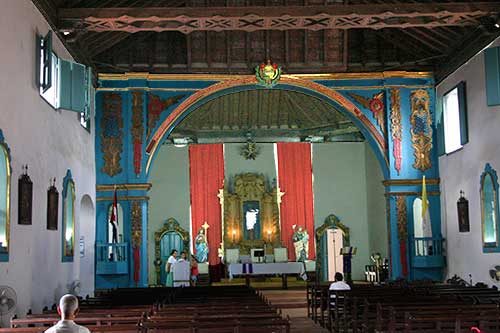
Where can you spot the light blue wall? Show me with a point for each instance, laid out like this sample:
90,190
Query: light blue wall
341,187
234,163
169,195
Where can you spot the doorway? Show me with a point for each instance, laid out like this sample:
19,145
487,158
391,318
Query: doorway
334,245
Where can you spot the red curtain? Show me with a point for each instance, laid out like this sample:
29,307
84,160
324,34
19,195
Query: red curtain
206,175
295,179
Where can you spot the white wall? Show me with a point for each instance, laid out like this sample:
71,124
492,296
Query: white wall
462,169
50,142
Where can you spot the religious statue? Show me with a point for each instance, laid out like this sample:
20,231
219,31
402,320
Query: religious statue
251,216
301,243
201,245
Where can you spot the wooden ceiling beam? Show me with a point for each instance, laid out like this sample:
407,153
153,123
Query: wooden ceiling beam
188,19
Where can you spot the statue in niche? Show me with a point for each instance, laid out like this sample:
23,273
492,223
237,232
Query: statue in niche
201,245
301,243
252,219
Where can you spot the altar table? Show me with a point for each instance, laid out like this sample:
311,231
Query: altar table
280,268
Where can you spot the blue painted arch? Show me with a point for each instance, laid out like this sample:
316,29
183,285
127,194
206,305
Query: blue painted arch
380,152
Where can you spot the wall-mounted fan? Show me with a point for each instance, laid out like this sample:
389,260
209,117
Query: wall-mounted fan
8,302
74,287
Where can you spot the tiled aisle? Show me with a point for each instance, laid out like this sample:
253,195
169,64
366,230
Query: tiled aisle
294,304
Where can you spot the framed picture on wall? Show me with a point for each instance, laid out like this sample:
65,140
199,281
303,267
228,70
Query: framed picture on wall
463,213
52,207
25,198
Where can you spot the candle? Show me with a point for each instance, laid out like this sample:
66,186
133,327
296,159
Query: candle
234,235
269,235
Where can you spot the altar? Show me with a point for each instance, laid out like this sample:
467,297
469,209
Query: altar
278,268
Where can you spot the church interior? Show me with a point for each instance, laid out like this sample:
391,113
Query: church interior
213,165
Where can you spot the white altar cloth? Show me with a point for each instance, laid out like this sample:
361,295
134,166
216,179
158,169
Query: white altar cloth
268,269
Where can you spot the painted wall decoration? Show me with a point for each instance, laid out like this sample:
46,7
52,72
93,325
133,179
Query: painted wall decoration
111,133
402,231
156,106
375,105
396,129
136,218
421,130
25,199
137,129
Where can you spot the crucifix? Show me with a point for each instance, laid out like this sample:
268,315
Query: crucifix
205,226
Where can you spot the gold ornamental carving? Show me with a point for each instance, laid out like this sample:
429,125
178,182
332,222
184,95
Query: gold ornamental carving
136,218
396,129
250,187
111,133
402,218
421,130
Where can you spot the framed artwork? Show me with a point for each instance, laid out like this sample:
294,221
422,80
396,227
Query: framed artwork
25,198
463,213
52,207
251,219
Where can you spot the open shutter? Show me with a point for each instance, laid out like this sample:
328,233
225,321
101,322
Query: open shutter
462,113
88,85
440,127
73,84
492,68
44,61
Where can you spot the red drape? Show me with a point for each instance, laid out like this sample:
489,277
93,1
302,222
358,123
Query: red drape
295,179
206,176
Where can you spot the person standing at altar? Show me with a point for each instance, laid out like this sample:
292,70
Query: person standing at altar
194,271
181,271
201,245
168,268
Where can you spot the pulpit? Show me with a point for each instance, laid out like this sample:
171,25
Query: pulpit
250,214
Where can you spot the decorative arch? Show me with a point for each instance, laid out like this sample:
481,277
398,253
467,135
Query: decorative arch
68,218
5,173
331,221
489,210
171,225
330,96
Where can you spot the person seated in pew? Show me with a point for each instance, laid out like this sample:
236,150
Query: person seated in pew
339,283
67,309
181,271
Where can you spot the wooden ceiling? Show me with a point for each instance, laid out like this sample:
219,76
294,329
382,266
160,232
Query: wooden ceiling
303,36
266,115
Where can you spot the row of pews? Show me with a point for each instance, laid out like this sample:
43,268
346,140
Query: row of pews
405,308
169,310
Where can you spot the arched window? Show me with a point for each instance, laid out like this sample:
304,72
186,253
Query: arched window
489,209
4,199
68,220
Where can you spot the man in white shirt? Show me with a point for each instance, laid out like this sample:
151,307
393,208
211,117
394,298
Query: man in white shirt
67,309
339,284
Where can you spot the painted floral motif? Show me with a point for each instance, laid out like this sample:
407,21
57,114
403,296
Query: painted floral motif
376,105
421,130
111,133
137,129
396,129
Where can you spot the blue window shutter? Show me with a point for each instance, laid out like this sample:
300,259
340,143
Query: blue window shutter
440,127
78,90
462,113
88,88
492,68
65,84
73,86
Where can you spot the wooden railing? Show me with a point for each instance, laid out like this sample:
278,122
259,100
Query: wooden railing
112,258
